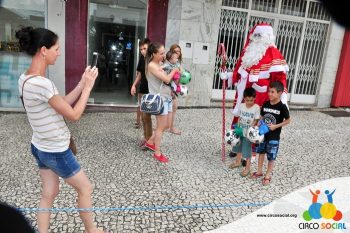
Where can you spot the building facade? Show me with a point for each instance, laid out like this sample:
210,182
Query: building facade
306,35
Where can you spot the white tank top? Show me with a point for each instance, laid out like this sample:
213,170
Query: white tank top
155,86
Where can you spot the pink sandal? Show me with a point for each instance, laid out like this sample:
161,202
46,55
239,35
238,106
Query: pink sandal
266,181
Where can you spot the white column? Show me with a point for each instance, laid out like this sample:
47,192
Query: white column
330,65
56,23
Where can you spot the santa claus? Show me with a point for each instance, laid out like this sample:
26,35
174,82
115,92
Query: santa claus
259,64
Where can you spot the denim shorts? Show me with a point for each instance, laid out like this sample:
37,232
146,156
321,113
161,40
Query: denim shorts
168,105
64,164
244,147
269,148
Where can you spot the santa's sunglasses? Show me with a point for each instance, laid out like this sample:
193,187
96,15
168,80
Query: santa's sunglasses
256,35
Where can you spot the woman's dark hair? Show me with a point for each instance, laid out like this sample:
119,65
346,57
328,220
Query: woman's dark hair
152,48
31,40
13,220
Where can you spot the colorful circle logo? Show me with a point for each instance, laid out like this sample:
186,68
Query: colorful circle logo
327,210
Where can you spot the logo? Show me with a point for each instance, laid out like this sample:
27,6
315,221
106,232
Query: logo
326,211
270,119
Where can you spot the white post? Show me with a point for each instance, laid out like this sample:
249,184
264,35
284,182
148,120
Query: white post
56,23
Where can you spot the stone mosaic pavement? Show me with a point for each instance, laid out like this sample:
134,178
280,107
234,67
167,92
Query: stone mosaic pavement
314,147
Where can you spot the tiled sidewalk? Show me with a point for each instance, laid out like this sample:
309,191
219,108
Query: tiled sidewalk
313,148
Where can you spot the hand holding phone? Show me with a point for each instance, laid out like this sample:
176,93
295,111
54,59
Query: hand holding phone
89,77
94,59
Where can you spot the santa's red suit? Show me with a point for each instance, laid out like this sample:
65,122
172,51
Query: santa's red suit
271,67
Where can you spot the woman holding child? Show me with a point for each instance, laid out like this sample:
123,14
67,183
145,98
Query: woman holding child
157,80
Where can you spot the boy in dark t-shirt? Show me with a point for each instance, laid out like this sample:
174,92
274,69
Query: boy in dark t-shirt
143,89
275,114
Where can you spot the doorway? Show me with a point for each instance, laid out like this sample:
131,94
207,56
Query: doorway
115,28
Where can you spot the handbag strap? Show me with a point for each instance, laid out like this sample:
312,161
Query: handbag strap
22,99
155,96
32,76
151,100
160,88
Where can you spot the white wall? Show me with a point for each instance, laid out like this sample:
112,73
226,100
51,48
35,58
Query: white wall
330,68
56,23
119,16
195,21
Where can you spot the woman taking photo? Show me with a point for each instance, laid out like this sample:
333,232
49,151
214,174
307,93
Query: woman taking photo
157,83
46,111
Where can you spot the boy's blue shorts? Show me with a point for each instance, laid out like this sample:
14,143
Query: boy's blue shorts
270,148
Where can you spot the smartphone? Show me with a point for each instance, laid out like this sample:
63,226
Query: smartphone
94,59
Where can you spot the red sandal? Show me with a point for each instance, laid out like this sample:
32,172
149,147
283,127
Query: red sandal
161,158
266,181
255,175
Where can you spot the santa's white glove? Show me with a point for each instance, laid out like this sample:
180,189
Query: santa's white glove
223,75
253,78
227,76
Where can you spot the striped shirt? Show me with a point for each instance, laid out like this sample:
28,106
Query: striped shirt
50,132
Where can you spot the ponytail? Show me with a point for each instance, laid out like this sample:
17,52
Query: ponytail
31,40
152,49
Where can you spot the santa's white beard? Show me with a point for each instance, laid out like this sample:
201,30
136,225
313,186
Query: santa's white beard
255,51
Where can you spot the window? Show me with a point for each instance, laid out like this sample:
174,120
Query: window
13,62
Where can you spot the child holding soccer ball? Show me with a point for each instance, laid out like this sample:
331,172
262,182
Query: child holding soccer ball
249,114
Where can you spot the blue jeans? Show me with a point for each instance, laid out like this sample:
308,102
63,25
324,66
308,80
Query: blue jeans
270,148
64,164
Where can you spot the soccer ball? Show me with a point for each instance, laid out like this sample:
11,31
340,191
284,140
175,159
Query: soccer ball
254,136
185,77
183,91
232,138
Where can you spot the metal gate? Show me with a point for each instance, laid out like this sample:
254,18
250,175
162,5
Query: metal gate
301,28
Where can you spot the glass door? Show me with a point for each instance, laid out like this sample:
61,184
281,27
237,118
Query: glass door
115,28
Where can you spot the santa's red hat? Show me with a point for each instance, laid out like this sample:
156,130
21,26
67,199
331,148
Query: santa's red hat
261,28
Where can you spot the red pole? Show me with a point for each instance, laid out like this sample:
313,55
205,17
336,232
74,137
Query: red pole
223,148
222,53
